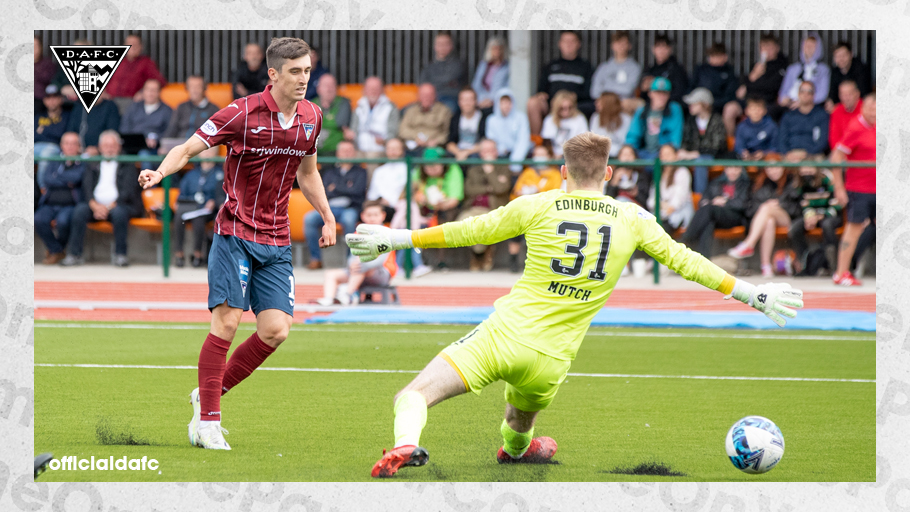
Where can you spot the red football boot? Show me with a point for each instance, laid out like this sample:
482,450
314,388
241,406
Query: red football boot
391,462
846,279
540,451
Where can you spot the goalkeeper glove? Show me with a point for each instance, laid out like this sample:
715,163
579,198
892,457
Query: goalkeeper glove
371,240
772,299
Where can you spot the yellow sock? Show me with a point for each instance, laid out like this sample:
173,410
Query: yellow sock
410,418
515,443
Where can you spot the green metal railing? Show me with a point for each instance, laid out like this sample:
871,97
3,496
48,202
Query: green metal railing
656,165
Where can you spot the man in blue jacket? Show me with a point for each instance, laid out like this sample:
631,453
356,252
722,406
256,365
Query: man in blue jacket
658,123
64,191
806,127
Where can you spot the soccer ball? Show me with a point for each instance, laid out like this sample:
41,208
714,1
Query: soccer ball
755,444
785,262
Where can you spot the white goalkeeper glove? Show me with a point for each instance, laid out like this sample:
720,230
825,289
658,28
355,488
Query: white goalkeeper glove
371,240
772,299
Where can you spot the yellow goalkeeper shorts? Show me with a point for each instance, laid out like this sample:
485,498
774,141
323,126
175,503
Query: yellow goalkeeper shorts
484,356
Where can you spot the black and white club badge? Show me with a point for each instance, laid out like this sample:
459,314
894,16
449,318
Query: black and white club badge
89,68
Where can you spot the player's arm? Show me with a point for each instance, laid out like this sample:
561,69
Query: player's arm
311,185
840,191
771,299
500,224
175,160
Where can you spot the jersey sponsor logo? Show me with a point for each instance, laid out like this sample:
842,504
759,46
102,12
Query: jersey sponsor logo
208,128
308,129
645,214
278,151
569,291
243,272
257,130
89,69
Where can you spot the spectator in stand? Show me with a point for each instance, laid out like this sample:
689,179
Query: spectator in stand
563,122
492,73
849,107
657,123
438,191
676,208
375,120
666,66
336,114
704,135
774,204
629,184
345,188
858,191
620,74
63,182
49,128
717,75
89,125
111,192
756,135
318,71
570,73
148,117
762,82
805,127
509,129
192,113
201,193
722,206
819,209
847,68
426,124
539,177
467,129
610,120
446,71
378,272
133,72
45,69
389,179
810,68
252,75
486,188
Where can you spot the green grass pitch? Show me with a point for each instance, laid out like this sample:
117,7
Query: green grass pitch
332,426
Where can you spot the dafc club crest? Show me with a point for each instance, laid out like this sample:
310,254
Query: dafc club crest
89,68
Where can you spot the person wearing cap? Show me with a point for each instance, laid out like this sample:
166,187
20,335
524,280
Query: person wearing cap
346,189
716,75
49,128
438,190
704,135
657,123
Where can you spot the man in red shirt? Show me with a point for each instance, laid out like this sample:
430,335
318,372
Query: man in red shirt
849,107
132,73
858,192
270,136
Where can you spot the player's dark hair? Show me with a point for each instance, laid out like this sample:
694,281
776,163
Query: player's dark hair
662,39
283,49
769,38
717,49
586,157
844,44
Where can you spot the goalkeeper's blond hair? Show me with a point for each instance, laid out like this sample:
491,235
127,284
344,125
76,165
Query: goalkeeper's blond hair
586,157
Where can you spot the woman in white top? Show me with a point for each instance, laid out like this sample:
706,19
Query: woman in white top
676,208
564,121
610,121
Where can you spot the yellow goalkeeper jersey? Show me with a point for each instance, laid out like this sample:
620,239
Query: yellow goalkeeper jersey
578,244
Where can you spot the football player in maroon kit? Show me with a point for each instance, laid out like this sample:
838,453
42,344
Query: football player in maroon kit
270,137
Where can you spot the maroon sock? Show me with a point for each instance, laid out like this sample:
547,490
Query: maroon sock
211,368
248,356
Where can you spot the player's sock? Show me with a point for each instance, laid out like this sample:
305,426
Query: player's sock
248,356
211,368
410,418
515,443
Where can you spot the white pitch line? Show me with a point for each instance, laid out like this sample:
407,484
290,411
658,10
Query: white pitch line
356,370
320,328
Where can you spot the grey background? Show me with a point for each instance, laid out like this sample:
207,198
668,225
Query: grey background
889,17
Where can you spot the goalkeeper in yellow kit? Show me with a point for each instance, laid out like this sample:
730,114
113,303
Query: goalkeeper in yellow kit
578,242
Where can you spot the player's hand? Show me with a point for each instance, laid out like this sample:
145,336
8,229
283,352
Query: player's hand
775,300
328,235
371,240
149,178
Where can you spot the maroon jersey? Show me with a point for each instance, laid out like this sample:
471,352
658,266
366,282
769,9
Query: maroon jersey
261,164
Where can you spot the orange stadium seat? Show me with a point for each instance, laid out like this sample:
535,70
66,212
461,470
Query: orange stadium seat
221,94
298,206
401,95
352,92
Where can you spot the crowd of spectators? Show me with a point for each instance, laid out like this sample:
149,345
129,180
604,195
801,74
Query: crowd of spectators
780,110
